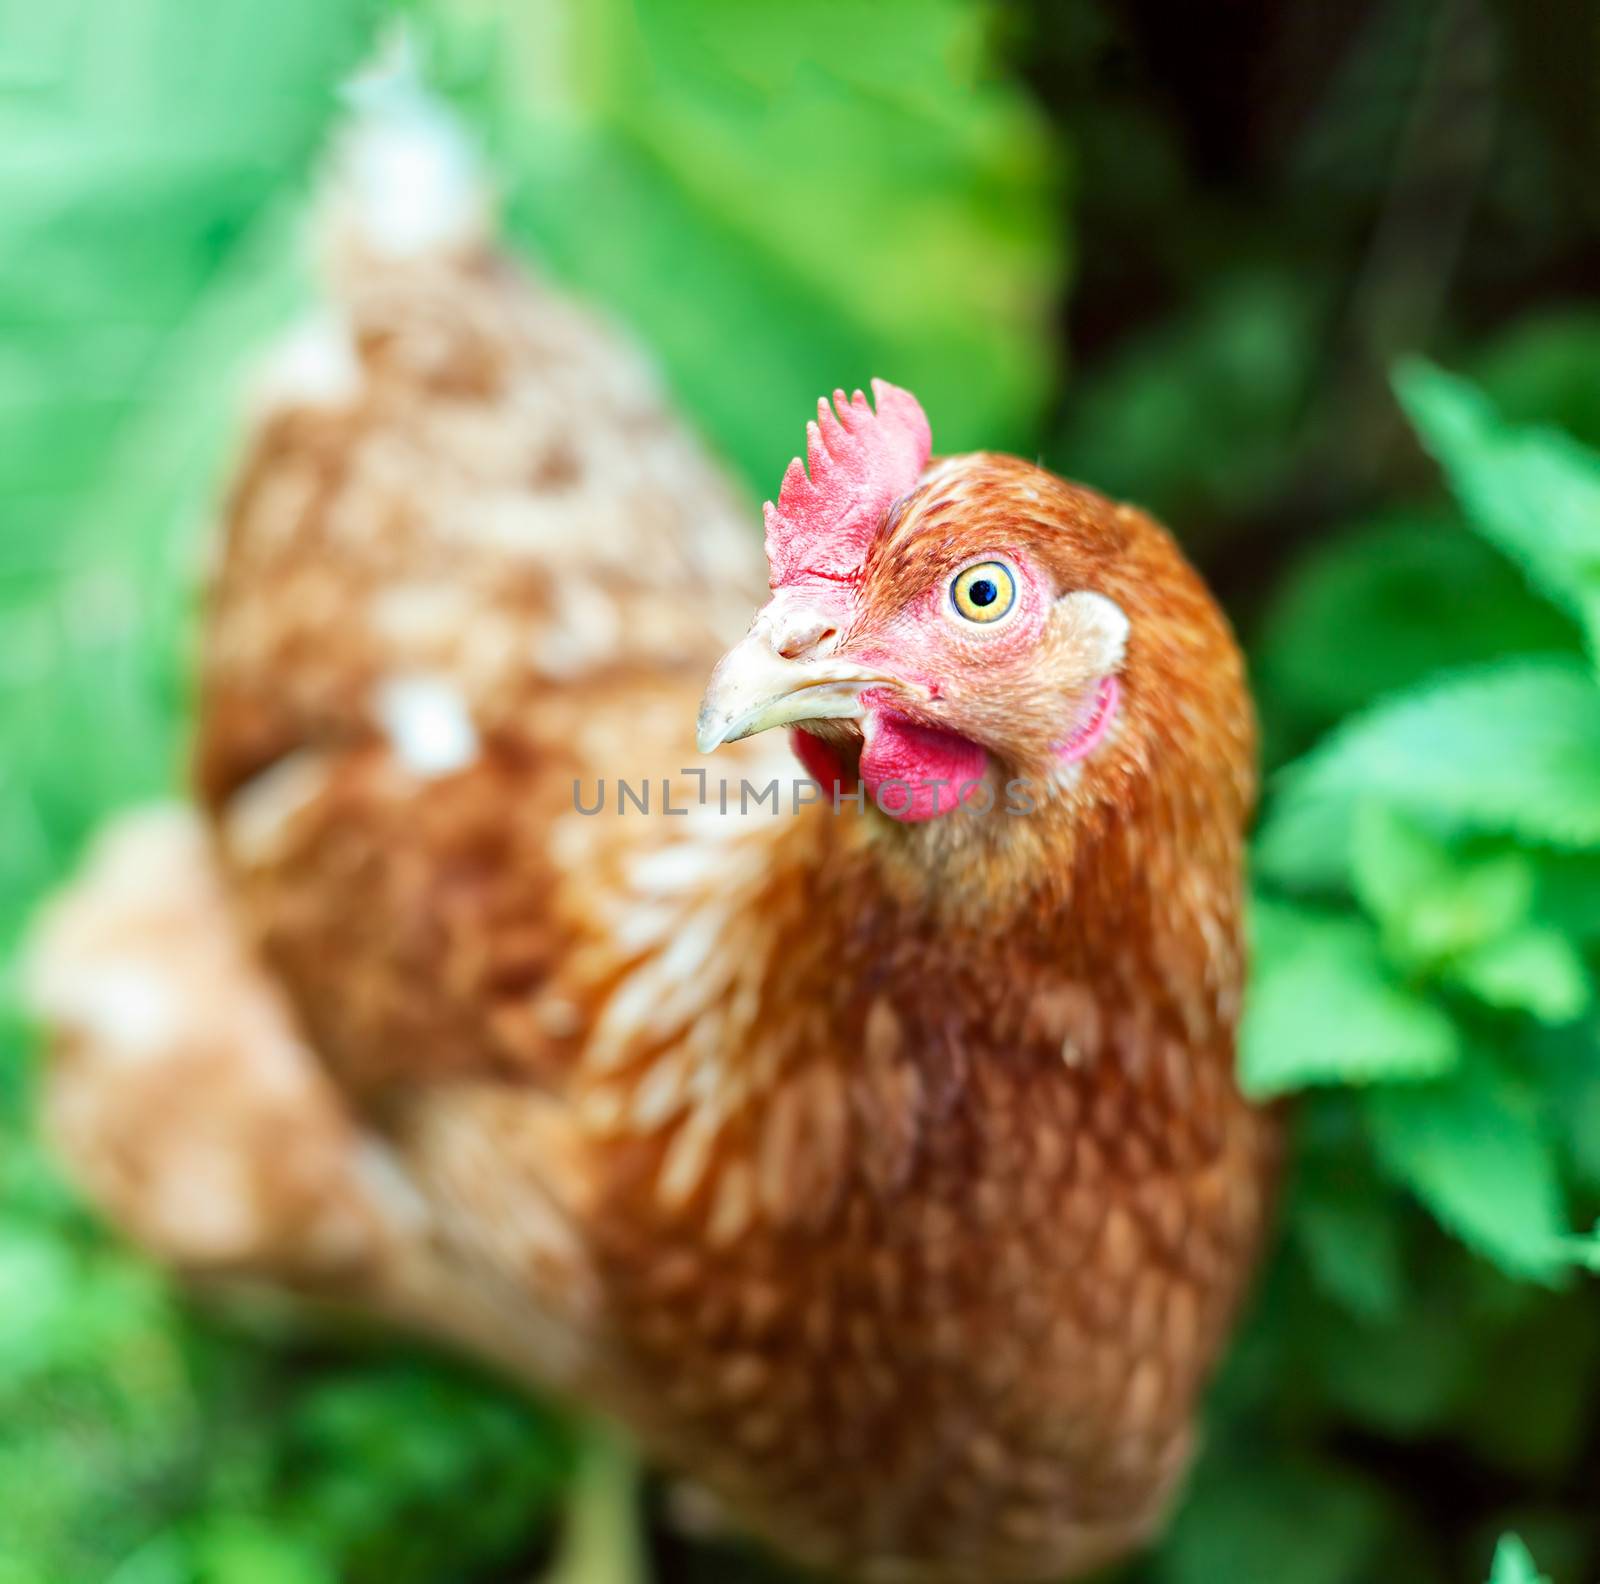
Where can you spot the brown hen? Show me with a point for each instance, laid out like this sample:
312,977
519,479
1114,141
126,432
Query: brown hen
881,1168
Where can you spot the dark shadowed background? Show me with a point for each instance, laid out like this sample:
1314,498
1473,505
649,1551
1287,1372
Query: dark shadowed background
1315,283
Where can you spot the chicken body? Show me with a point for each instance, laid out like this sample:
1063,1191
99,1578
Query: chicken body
889,1180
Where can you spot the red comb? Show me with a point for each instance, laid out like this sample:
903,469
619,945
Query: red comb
861,463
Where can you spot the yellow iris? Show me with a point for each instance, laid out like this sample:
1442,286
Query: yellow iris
985,592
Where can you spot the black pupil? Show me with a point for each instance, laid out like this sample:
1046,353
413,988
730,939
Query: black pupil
982,592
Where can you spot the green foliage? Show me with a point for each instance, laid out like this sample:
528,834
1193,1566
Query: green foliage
1468,916
1331,1011
1472,1149
806,205
1514,1565
1434,813
1532,491
1425,951
1381,608
1508,748
136,147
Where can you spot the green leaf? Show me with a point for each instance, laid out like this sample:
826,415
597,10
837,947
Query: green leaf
1532,491
1472,1151
1534,970
1513,1564
1431,901
1511,748
1323,1008
1465,917
1387,605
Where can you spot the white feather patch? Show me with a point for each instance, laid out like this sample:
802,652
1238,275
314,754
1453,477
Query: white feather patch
426,721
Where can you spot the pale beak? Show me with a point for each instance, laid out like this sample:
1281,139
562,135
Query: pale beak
754,688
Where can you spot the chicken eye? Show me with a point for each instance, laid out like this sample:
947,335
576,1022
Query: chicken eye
985,592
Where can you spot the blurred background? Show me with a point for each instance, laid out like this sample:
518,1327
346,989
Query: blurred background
1314,283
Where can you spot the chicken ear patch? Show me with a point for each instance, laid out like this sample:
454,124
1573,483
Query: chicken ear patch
861,462
1090,630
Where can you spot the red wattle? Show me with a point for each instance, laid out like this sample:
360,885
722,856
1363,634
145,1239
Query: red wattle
915,772
820,761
